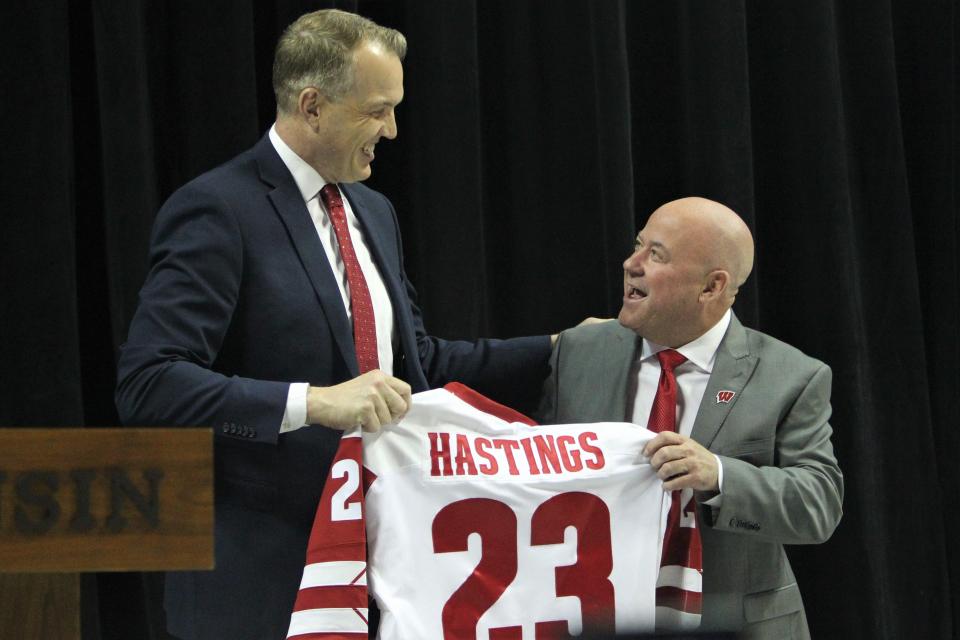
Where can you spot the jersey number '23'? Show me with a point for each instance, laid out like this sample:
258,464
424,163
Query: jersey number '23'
496,523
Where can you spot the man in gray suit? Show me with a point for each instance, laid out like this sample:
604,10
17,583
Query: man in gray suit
752,440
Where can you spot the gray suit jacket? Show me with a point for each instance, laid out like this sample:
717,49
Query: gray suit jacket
781,482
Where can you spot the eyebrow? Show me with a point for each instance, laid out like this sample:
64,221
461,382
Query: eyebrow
383,102
652,243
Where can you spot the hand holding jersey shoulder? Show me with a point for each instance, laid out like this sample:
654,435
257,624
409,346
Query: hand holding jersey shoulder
682,463
371,400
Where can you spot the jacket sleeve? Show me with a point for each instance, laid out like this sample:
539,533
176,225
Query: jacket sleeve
186,307
798,499
510,371
547,411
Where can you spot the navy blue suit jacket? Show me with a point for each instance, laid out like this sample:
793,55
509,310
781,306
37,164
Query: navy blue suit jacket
240,300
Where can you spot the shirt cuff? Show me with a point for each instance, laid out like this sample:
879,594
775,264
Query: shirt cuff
717,500
295,415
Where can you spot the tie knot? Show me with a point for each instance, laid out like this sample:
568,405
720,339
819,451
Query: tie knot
669,359
330,195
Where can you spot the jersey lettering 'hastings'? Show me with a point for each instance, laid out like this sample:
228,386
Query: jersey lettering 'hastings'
541,454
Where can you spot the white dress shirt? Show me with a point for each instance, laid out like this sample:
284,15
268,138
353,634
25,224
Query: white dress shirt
309,182
692,378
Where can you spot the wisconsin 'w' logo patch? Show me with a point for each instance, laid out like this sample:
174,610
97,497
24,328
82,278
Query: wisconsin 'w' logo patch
725,396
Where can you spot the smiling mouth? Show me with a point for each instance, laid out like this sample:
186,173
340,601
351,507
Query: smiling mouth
634,293
367,150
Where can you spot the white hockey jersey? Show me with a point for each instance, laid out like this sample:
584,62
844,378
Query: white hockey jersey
480,526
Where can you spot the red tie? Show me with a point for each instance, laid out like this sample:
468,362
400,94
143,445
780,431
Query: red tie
682,552
364,324
663,414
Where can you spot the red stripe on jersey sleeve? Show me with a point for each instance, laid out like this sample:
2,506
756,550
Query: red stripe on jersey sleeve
338,534
332,597
674,598
682,548
350,551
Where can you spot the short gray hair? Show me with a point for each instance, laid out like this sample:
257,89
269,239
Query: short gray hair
315,51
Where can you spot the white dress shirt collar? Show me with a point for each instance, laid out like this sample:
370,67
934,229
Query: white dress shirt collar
309,182
700,352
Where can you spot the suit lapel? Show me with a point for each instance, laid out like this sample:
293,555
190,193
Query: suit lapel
732,369
289,204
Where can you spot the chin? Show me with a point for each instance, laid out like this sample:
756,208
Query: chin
626,321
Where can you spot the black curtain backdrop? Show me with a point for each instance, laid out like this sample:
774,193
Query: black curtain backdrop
535,138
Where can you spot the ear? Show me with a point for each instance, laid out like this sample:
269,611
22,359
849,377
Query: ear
717,283
310,104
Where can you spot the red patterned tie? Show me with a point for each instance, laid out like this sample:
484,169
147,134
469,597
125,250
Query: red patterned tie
679,597
364,324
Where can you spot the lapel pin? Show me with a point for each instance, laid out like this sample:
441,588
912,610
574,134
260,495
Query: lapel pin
724,396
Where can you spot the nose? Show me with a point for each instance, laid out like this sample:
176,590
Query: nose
390,126
634,262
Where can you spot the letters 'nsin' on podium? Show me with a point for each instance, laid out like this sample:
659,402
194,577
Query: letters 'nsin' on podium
76,500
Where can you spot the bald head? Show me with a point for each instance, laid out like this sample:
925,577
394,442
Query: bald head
718,236
688,264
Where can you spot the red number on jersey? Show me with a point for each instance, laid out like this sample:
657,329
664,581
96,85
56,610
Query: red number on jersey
496,523
589,577
497,526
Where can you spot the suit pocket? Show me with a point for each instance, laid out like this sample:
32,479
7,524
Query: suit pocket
242,492
775,603
246,475
775,614
758,451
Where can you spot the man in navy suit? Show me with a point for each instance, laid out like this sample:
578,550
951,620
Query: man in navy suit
245,321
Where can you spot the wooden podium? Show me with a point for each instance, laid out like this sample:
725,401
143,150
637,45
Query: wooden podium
76,500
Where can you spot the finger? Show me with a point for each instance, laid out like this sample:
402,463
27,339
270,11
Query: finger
400,387
395,403
685,481
370,421
672,469
667,453
662,439
381,409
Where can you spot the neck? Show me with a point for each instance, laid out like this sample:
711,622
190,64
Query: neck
687,336
292,134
